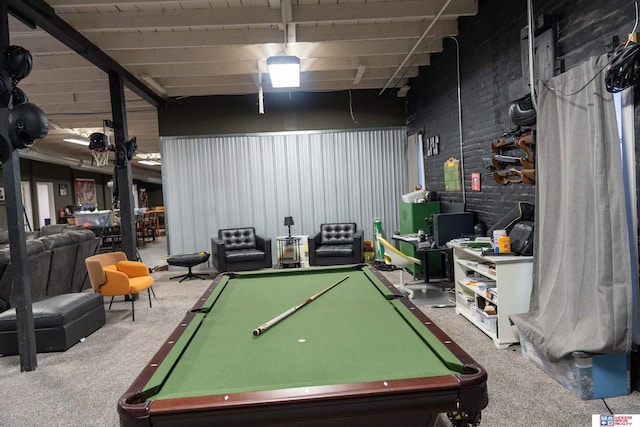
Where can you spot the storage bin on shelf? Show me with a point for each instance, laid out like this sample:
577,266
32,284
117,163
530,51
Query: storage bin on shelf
465,299
487,321
94,219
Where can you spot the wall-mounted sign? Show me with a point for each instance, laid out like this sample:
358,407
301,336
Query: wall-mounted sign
432,145
475,181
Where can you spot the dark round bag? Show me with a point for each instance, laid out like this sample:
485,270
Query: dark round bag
521,236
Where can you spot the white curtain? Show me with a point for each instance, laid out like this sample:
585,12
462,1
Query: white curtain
582,289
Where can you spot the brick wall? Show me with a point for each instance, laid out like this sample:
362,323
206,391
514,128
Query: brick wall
490,62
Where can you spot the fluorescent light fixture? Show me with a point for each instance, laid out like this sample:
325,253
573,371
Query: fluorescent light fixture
284,71
359,74
154,84
77,141
149,156
149,162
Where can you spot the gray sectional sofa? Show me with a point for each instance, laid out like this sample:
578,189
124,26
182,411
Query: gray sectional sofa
55,257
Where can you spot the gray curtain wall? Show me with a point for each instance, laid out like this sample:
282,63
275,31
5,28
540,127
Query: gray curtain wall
412,168
582,289
256,180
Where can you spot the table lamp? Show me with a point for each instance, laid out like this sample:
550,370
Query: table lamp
288,221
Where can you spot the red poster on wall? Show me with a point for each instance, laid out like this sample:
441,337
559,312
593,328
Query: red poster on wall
86,193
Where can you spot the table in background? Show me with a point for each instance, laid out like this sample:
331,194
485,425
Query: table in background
288,246
111,237
160,223
333,362
447,264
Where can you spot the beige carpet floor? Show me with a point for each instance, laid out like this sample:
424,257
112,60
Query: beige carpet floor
81,387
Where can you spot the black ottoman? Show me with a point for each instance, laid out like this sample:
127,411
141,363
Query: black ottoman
188,260
60,322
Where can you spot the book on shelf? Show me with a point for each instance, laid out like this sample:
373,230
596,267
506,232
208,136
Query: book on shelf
486,284
480,242
473,242
492,295
482,267
468,281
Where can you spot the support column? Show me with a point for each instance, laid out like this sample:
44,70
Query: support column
21,285
123,166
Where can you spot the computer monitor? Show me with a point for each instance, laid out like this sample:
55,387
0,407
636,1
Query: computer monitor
449,226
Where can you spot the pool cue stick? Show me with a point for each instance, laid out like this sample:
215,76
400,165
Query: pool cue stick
265,326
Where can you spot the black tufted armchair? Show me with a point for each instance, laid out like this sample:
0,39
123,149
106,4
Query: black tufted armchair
337,243
240,249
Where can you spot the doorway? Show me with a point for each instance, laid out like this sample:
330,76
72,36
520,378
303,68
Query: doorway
25,189
46,206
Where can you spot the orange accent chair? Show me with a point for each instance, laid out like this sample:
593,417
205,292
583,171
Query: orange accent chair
111,274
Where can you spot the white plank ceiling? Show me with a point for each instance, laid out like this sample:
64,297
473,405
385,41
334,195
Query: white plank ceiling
220,47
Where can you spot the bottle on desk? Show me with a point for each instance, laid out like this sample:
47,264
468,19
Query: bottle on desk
496,237
504,244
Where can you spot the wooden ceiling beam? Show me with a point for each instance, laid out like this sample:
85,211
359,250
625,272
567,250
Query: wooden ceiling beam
40,13
131,40
232,55
265,16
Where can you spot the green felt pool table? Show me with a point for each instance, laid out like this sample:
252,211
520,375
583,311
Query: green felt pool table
361,354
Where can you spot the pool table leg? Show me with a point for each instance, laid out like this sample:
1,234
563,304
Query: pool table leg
464,419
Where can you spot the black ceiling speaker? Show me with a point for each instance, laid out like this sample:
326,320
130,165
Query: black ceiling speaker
27,123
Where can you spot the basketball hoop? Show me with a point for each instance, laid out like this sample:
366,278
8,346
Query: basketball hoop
101,156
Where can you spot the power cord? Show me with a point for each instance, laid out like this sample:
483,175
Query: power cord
624,64
351,108
609,409
583,86
624,67
622,72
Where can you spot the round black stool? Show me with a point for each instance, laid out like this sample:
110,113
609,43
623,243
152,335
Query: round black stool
189,261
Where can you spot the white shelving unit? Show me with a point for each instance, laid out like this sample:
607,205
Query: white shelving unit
508,279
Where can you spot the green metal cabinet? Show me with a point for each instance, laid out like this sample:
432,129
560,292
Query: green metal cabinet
412,219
